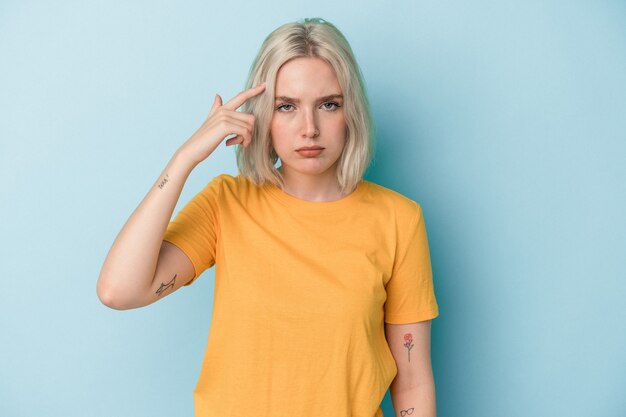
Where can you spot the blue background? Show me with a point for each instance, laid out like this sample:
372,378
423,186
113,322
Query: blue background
503,119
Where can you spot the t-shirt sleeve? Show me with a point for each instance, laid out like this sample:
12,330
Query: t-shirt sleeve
195,229
410,290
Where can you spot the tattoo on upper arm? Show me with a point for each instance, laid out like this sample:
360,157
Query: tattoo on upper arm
164,181
164,287
406,412
408,343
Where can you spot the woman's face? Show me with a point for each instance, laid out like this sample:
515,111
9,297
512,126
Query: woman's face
308,111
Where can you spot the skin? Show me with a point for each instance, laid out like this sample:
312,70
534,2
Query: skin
305,119
414,385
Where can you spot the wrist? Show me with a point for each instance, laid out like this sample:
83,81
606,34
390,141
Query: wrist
181,161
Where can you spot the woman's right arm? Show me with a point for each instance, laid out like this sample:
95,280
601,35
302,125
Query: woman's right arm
129,269
140,267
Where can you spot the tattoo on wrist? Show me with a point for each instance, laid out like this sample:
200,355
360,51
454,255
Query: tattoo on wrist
167,286
164,181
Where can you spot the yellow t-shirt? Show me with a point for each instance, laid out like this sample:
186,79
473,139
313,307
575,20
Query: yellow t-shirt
302,290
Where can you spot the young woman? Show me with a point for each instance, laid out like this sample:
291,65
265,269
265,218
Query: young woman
323,284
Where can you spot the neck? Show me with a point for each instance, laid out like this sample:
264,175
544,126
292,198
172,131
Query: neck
323,187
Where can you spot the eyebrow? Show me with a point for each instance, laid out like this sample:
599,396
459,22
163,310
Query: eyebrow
295,100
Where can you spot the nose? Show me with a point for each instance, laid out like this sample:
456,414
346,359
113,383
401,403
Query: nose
310,124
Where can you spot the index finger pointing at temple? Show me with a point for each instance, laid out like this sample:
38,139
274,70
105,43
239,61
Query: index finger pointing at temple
237,101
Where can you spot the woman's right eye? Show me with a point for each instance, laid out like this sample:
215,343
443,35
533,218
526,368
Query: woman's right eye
283,105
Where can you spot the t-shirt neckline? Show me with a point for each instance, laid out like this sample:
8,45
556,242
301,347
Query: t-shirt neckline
316,206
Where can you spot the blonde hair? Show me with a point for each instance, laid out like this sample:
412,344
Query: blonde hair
310,37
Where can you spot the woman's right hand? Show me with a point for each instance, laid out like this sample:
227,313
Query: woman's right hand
222,121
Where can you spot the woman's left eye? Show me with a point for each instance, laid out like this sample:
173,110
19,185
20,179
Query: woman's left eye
332,103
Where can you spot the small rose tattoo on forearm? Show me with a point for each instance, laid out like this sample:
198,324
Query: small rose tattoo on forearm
408,343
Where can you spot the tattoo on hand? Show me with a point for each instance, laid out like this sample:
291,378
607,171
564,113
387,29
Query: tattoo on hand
164,181
164,287
408,343
406,412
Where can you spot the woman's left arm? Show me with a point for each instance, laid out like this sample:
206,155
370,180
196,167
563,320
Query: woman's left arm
413,389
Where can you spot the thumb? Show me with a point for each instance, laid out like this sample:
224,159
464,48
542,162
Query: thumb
216,103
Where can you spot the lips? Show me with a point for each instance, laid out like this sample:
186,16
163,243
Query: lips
310,148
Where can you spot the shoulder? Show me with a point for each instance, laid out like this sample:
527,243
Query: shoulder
214,187
233,181
393,201
229,187
219,181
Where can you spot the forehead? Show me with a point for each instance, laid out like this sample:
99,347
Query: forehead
306,77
